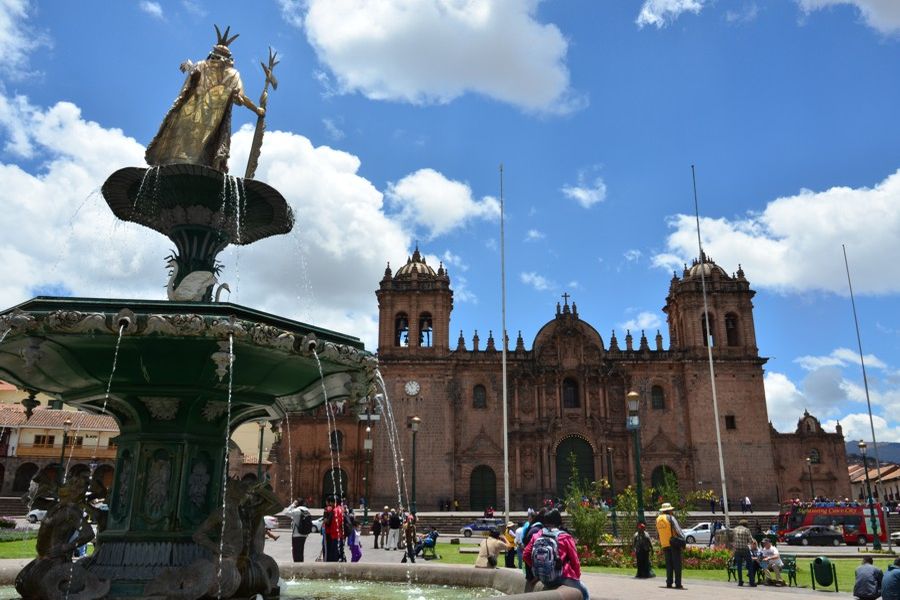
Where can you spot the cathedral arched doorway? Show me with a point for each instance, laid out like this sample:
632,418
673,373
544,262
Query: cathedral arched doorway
334,483
578,449
482,488
660,474
23,477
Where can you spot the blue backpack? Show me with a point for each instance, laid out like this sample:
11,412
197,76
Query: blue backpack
545,562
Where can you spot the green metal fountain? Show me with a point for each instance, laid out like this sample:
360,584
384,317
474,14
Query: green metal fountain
188,371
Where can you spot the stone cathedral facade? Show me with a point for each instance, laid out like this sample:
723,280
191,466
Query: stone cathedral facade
566,396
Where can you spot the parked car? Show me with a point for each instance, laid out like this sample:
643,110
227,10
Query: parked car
270,521
317,525
35,516
895,537
698,534
814,535
482,525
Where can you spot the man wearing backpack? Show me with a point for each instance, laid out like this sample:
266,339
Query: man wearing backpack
301,527
552,556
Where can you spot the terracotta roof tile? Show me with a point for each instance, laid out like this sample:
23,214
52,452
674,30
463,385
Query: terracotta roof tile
11,415
54,419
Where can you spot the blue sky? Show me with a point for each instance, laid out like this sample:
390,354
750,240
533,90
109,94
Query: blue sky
391,119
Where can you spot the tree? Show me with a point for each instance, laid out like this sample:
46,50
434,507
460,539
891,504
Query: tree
588,521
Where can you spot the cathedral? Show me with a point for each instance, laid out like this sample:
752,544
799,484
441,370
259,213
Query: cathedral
566,398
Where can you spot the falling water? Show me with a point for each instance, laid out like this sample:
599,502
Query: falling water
331,429
225,460
384,403
93,463
287,425
151,174
70,231
306,297
240,209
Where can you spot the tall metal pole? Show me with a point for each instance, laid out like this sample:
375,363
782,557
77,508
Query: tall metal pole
367,446
503,356
412,504
862,362
61,474
712,370
812,492
639,484
612,491
876,543
262,427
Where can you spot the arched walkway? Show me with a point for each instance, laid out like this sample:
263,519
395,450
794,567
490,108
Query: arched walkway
482,488
24,474
334,482
583,459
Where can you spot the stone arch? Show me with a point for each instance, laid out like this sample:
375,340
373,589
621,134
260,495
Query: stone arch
658,476
24,474
732,329
401,329
77,469
426,330
815,457
584,461
709,339
482,488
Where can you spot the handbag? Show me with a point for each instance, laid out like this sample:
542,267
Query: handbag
492,560
676,541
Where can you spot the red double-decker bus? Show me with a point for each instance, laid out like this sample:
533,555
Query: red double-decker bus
852,519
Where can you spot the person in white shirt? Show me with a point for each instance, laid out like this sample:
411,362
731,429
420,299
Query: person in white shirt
771,563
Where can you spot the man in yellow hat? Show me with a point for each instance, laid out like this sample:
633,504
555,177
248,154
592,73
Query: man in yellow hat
671,539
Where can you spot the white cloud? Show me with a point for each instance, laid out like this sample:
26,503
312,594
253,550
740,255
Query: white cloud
432,51
534,235
588,191
428,199
538,282
840,357
461,291
632,255
340,222
647,321
882,15
794,245
194,7
154,9
336,133
856,426
17,38
662,12
745,14
454,260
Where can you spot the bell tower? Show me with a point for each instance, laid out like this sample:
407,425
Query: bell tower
414,307
729,300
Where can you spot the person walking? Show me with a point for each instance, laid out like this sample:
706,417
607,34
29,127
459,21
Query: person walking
643,546
301,527
394,523
553,556
672,541
740,546
409,536
868,580
376,529
355,541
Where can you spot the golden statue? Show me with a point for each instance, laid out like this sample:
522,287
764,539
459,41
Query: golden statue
197,129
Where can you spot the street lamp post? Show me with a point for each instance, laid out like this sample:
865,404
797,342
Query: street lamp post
414,425
633,424
876,543
61,475
367,446
812,492
612,491
262,427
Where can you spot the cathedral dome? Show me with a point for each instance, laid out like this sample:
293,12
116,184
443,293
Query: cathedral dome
707,266
415,264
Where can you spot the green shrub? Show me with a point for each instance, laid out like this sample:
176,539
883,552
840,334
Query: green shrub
7,523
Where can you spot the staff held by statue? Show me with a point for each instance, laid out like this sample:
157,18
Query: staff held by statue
256,147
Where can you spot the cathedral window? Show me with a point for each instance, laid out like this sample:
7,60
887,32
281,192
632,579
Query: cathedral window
730,422
337,440
570,393
709,337
479,397
425,330
657,398
401,330
731,330
814,457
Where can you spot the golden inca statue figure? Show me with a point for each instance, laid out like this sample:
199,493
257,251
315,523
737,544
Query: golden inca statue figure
197,129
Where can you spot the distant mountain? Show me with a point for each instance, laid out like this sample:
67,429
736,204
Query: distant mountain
888,452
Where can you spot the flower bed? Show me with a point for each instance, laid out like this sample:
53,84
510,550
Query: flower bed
622,556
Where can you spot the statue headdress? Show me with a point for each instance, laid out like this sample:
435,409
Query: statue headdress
221,48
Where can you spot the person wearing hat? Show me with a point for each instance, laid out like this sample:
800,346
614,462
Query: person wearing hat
671,539
509,536
643,546
492,547
740,545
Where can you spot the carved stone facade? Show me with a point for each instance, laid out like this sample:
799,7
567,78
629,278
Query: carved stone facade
825,472
566,396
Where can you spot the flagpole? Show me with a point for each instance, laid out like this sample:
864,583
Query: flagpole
712,369
862,362
504,342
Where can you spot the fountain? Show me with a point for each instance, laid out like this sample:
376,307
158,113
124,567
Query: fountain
189,371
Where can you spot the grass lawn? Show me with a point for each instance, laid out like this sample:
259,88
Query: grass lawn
449,554
846,569
18,549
